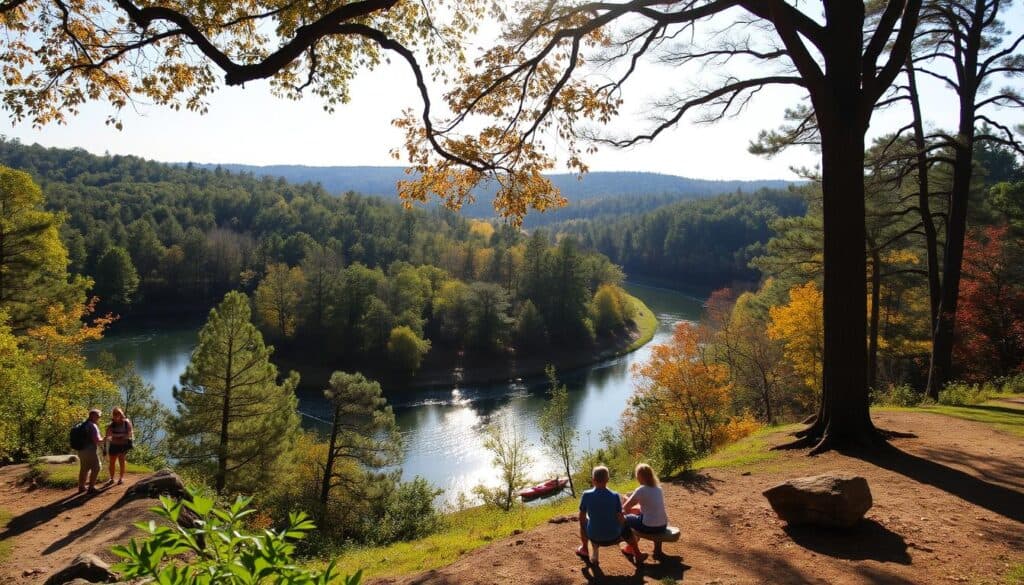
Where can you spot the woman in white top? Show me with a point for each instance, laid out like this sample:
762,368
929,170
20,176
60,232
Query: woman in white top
652,517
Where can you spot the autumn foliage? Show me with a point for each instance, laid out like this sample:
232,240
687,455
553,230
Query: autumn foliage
681,384
990,319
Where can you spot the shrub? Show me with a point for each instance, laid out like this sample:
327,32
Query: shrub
899,395
673,450
221,550
737,428
1011,384
410,512
962,394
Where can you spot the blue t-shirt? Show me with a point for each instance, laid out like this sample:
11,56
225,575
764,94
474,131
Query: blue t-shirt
602,507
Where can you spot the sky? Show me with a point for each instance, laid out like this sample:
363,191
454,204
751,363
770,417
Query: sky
250,126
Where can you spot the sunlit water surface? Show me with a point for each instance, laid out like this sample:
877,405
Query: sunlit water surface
442,429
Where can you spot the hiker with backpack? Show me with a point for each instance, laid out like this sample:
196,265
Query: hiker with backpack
86,440
120,436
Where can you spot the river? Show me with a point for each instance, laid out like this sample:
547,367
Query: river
442,429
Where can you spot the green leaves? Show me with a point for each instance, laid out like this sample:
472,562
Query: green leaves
220,549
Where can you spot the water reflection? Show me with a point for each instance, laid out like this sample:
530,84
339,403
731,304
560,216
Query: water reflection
443,428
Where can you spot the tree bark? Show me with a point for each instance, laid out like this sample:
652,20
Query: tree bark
325,486
225,411
843,419
924,198
876,288
941,366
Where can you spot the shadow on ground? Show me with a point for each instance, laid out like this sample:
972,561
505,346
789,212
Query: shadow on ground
869,540
993,497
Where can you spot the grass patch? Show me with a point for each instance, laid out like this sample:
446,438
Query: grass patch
1015,576
646,323
746,452
5,545
65,476
1000,414
463,531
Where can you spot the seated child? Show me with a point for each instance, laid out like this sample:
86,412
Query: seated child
652,517
602,522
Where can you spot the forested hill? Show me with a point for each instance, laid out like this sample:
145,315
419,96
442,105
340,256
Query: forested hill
594,186
707,243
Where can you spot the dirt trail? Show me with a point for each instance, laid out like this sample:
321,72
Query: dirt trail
50,527
949,508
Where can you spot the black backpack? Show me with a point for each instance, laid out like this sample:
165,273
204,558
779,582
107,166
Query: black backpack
79,436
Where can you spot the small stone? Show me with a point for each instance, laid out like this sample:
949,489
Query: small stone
745,473
520,542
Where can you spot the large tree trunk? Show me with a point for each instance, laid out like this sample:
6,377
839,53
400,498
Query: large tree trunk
843,419
941,367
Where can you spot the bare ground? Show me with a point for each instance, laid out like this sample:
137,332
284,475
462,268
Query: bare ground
50,527
949,508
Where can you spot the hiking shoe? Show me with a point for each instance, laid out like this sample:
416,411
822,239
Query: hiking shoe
92,491
120,481
637,556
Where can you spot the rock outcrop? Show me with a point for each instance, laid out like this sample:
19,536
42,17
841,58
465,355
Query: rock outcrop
821,500
86,567
58,459
163,482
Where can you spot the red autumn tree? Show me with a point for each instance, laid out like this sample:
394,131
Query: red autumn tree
990,323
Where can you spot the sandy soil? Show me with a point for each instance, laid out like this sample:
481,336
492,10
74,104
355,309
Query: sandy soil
948,508
51,527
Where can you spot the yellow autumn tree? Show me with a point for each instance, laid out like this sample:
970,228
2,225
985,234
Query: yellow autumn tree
680,385
278,299
61,386
800,325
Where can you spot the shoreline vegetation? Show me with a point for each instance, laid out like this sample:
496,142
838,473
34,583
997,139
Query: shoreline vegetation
444,367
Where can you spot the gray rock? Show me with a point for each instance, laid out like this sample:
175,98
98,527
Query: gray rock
163,482
87,568
58,459
821,500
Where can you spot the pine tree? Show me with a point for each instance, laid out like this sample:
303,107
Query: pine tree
235,421
363,431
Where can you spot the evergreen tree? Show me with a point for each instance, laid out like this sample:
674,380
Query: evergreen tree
530,331
488,315
363,432
116,278
234,421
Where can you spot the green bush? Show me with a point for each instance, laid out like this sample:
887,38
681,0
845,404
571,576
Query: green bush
963,394
899,395
1011,384
673,450
410,512
220,549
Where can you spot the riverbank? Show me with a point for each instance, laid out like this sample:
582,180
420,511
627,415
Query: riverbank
450,368
731,535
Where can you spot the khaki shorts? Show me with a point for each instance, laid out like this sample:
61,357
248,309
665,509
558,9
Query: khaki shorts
89,460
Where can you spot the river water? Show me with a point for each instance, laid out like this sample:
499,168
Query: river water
443,428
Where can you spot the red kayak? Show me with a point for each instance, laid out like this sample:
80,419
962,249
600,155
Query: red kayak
547,488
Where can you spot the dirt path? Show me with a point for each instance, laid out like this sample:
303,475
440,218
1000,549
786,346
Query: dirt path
949,508
50,527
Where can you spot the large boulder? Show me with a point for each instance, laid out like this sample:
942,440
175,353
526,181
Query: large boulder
86,567
821,500
163,482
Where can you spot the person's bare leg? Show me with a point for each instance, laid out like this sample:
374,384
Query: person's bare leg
121,459
112,461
